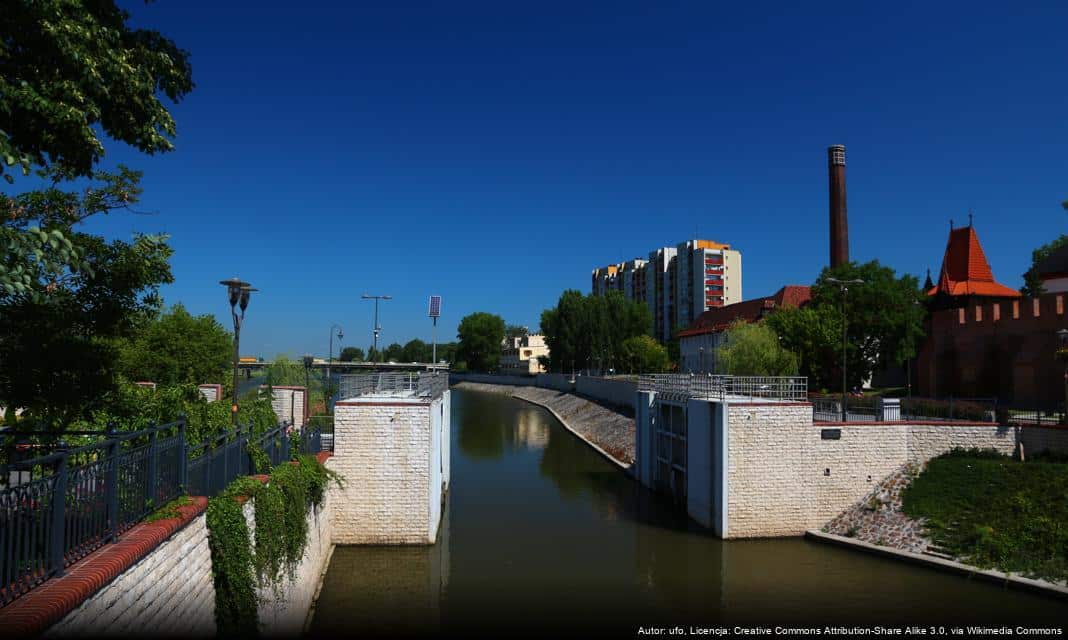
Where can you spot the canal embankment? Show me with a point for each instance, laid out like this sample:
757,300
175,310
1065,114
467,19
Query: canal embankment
609,432
967,512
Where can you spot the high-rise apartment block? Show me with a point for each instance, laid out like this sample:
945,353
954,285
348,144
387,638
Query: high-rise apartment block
677,283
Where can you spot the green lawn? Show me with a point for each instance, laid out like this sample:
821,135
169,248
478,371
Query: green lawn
995,512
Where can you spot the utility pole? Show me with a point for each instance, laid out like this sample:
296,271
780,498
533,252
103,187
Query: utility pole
844,286
435,311
377,328
330,355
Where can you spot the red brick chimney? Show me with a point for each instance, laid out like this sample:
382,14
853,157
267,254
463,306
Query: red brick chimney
839,222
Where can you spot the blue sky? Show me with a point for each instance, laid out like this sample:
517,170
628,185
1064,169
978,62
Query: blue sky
494,153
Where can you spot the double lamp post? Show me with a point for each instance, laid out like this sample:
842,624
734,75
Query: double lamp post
239,293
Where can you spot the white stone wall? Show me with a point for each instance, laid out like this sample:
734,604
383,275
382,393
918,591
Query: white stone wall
169,592
383,448
929,441
283,608
288,404
784,478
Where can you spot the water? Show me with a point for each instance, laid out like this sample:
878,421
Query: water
541,534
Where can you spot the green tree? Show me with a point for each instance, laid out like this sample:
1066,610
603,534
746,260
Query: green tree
643,354
885,317
814,333
351,354
1032,283
588,331
393,352
515,331
480,337
753,349
68,344
415,351
69,70
177,347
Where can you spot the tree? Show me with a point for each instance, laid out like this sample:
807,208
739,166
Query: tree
516,331
177,347
588,331
814,333
68,343
71,69
480,337
753,349
1032,283
643,354
885,323
415,351
351,354
393,352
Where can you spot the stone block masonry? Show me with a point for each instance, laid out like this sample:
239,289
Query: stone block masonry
391,452
290,404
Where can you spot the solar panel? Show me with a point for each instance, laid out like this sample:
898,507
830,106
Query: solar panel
435,306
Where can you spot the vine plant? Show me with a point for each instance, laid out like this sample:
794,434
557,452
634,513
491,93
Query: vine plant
241,565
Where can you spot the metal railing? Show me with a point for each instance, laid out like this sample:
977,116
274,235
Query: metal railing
59,507
916,409
732,388
424,384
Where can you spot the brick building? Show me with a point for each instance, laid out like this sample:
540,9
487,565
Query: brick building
995,349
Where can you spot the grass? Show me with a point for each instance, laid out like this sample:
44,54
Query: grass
169,510
995,512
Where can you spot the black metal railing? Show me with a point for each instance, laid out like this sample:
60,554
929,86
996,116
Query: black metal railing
915,409
419,384
57,508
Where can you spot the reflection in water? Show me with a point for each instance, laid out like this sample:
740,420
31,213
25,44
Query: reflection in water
542,534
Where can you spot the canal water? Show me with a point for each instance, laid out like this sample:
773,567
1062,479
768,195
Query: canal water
541,534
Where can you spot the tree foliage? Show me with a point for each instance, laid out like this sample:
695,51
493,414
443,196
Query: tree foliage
753,349
351,354
643,354
885,324
1032,283
480,335
814,333
587,332
66,345
69,70
177,347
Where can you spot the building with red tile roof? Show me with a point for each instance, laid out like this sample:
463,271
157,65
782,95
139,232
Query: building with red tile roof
966,276
698,342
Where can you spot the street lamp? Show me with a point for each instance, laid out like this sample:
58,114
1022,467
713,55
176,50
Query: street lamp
377,328
908,364
239,293
330,355
308,360
844,286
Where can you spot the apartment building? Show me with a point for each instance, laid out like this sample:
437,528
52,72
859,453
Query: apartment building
677,283
520,355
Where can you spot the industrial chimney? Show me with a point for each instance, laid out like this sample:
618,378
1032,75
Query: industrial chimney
839,222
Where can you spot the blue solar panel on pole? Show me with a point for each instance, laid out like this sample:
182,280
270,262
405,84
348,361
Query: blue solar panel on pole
435,306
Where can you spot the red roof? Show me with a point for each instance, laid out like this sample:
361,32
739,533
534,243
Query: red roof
715,320
965,270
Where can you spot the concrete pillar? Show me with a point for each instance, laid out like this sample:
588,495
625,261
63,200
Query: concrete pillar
644,434
706,464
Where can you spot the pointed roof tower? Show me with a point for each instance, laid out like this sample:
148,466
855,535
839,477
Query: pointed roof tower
965,270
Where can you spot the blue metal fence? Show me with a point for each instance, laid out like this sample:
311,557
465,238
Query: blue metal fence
62,506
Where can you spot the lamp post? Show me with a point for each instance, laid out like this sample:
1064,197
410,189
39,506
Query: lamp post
239,293
377,328
844,286
908,365
700,359
308,360
330,355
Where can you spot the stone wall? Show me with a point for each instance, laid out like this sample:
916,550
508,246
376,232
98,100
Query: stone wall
619,393
929,440
170,591
290,404
283,608
390,455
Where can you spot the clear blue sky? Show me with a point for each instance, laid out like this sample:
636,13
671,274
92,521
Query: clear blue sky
496,152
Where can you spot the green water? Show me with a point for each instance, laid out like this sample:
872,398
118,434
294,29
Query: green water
541,534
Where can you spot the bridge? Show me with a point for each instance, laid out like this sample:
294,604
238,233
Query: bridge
355,366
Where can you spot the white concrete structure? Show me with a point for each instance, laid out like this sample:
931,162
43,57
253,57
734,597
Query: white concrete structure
290,404
391,443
